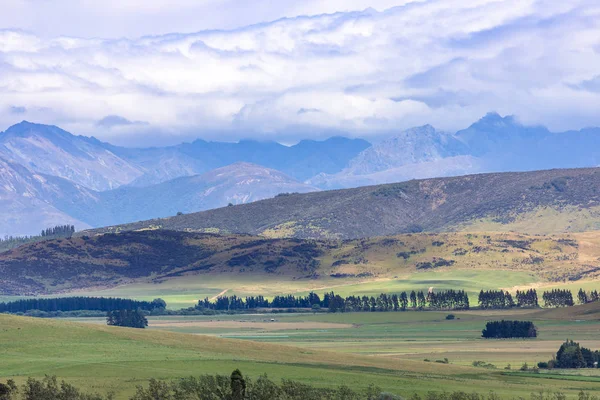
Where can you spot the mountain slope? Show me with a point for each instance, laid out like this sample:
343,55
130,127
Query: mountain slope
31,202
52,151
234,184
431,205
503,143
421,152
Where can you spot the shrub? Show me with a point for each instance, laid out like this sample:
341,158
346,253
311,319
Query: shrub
450,316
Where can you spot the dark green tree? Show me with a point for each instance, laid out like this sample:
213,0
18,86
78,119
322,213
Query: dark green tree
127,318
238,385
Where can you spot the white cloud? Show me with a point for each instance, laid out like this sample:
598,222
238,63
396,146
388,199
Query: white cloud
444,62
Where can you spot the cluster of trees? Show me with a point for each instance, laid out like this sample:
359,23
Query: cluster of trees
442,300
572,355
585,297
509,329
80,303
495,299
127,318
529,298
558,298
59,231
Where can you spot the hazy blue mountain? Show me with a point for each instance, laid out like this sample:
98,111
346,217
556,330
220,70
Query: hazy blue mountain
238,183
422,152
504,144
53,151
102,166
492,144
31,201
300,161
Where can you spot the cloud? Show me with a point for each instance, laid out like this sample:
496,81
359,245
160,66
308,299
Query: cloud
362,73
111,121
17,110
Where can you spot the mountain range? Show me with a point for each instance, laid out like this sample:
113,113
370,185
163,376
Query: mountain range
50,176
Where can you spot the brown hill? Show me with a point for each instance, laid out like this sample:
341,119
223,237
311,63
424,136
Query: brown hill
549,201
159,255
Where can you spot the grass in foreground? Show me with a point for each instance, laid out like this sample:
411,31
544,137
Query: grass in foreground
102,358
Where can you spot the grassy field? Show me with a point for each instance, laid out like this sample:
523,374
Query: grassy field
386,349
186,291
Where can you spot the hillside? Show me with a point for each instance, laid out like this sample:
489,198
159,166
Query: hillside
549,201
159,256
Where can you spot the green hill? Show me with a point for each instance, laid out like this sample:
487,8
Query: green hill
549,201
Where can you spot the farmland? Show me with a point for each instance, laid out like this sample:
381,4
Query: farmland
386,349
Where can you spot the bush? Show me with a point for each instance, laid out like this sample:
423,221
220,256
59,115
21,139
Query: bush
450,316
542,365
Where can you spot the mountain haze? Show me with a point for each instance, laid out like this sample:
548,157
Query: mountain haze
53,151
238,183
422,152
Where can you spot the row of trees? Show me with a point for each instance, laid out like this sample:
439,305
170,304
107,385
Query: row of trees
509,329
416,300
80,303
495,299
558,298
442,300
529,298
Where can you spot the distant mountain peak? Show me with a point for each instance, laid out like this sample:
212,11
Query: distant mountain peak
494,119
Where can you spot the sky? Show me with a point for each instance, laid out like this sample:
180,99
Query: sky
141,72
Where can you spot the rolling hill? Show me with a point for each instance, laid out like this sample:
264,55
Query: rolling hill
170,258
551,201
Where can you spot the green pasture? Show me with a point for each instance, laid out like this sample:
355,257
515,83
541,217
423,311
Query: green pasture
183,292
386,349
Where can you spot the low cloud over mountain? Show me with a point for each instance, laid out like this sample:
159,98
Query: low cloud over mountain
363,73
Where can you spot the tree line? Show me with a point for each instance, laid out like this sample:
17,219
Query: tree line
415,300
80,303
558,298
509,329
441,300
59,231
583,297
497,299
